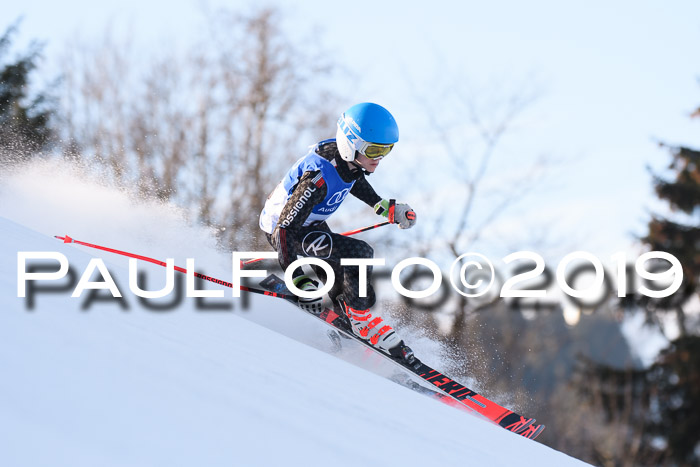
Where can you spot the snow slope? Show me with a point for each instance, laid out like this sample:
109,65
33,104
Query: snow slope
107,386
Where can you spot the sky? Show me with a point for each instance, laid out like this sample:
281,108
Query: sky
612,78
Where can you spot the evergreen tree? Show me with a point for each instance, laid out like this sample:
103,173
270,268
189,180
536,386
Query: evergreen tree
675,382
657,409
681,239
24,117
652,415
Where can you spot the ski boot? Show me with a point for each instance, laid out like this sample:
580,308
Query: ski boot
372,329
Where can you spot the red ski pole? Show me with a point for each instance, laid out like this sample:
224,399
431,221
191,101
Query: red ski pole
68,239
365,229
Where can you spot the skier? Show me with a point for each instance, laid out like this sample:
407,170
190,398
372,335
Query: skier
295,213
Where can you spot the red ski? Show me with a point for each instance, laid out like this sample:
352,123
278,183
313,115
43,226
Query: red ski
473,401
275,287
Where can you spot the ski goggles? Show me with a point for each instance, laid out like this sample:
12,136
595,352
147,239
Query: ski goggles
374,150
367,149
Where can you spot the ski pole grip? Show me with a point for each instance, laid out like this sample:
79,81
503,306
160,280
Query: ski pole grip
392,208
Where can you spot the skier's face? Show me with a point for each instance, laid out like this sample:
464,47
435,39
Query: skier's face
370,165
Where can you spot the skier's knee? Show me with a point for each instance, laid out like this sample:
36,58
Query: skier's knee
365,250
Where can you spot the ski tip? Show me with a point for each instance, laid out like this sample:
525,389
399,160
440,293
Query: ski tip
521,429
539,430
532,431
65,239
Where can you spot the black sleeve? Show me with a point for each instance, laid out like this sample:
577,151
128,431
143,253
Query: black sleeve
363,191
310,191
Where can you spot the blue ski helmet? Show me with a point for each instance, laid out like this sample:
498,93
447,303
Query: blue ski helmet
364,125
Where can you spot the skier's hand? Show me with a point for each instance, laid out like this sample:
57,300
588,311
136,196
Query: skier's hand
403,215
396,213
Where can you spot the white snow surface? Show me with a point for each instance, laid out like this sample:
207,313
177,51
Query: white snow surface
104,386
